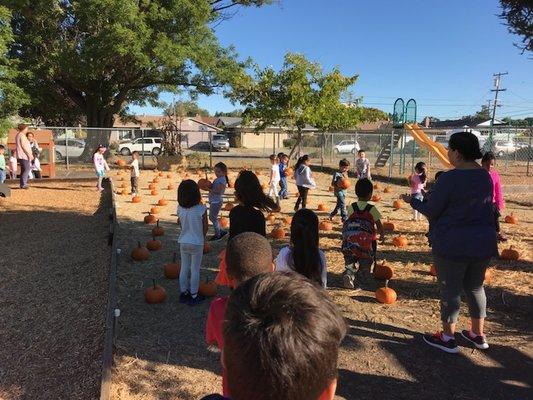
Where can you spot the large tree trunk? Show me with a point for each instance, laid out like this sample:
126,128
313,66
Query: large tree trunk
296,144
103,118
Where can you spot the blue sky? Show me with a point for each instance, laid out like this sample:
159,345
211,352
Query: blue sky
442,53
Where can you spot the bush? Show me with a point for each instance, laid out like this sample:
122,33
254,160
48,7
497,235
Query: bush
196,159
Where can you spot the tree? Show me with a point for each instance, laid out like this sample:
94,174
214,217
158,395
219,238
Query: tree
298,95
518,15
235,113
189,107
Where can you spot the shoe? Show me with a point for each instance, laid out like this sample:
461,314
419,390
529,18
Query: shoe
185,297
193,301
216,238
479,341
348,281
437,341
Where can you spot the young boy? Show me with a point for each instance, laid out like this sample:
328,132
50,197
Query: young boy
274,178
36,164
339,192
362,166
283,163
359,233
134,166
3,168
282,336
247,255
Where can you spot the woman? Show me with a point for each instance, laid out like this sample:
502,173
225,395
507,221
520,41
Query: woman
24,154
463,240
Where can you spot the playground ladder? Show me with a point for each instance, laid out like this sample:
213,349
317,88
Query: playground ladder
385,151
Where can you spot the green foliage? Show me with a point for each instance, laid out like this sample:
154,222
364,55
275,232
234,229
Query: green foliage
518,15
522,123
235,113
188,108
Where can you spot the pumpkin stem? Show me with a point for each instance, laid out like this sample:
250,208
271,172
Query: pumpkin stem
157,224
174,258
387,283
139,243
153,281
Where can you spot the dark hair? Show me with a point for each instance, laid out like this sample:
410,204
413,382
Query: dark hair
281,339
134,152
439,173
344,163
488,156
280,156
363,188
301,160
305,252
360,151
224,168
249,192
420,167
2,147
100,146
21,127
189,194
30,133
467,144
248,254
273,157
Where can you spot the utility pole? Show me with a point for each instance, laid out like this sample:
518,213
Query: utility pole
497,78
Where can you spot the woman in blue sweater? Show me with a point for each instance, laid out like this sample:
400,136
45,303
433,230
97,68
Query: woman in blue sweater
463,240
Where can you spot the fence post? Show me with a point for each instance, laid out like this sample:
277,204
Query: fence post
391,153
210,150
331,149
66,150
529,155
322,143
142,145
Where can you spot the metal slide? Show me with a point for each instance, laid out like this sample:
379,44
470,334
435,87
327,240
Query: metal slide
424,140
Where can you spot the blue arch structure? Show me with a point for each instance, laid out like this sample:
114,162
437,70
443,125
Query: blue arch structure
410,112
398,113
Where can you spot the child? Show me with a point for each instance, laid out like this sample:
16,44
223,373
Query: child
134,179
13,166
100,165
417,181
304,180
362,166
36,164
274,178
340,193
281,340
216,198
283,164
359,232
498,203
3,168
193,222
247,255
303,255
247,216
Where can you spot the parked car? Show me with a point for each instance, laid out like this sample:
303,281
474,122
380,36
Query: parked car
150,145
346,146
503,147
73,150
220,142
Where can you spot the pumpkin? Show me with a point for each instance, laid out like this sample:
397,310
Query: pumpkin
387,189
433,270
270,217
224,222
207,248
511,219
153,244
171,186
287,220
155,294
228,206
343,183
376,186
152,186
321,207
150,219
264,186
154,192
383,272
488,276
397,204
204,184
376,198
136,199
160,174
172,270
389,226
162,202
289,172
386,295
121,162
208,288
155,180
154,210
510,254
169,176
140,253
157,230
325,226
278,233
400,241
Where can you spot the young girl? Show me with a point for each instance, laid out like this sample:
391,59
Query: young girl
13,164
303,255
100,165
304,180
36,165
497,194
193,222
275,178
216,198
417,182
247,216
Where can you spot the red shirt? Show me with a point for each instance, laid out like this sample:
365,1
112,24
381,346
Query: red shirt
214,331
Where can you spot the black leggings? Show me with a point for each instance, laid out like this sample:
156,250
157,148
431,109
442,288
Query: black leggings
302,197
496,217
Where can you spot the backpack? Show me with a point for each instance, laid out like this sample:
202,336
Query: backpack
359,233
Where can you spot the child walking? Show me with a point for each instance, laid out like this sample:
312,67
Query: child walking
100,165
362,166
275,178
135,173
340,193
193,222
417,181
498,203
13,166
359,233
216,198
3,168
304,181
283,165
303,255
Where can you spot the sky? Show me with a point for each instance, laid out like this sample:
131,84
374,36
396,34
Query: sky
441,53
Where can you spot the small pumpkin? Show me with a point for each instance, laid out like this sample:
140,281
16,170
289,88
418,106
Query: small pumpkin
121,162
154,192
270,217
158,230
228,206
207,248
383,272
155,180
152,186
400,241
155,294
289,172
204,184
397,204
287,221
150,219
224,222
433,270
376,186
162,202
325,225
387,189
386,295
376,198
169,176
321,207
136,199
511,219
172,270
153,244
154,210
278,233
510,254
264,186
343,183
160,174
389,226
140,253
488,276
208,288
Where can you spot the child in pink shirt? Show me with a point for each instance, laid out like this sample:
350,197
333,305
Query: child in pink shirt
417,181
497,194
13,164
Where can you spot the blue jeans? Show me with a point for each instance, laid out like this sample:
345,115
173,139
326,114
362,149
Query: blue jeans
283,187
2,174
25,168
341,205
214,210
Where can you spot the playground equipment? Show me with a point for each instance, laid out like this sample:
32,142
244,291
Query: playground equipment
45,140
425,141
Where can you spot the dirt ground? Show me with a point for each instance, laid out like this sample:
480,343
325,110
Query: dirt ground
161,352
54,263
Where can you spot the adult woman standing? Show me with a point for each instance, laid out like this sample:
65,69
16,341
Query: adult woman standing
463,240
24,154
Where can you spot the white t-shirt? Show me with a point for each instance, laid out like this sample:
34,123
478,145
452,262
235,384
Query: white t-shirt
192,226
275,173
135,168
284,262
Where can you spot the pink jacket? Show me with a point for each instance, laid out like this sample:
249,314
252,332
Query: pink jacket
416,183
497,193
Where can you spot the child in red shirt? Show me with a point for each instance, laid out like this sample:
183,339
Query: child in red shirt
247,255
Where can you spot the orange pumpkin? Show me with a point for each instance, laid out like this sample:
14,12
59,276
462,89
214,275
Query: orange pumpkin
162,202
153,244
387,189
121,162
224,222
400,241
386,295
155,294
325,225
488,276
270,217
376,186
204,184
289,172
208,288
136,199
158,230
152,186
264,186
150,219
287,220
169,176
172,270
207,248
155,180
321,207
397,204
382,271
389,226
154,210
376,198
278,233
511,219
510,254
154,192
433,270
140,253
343,183
160,174
228,206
